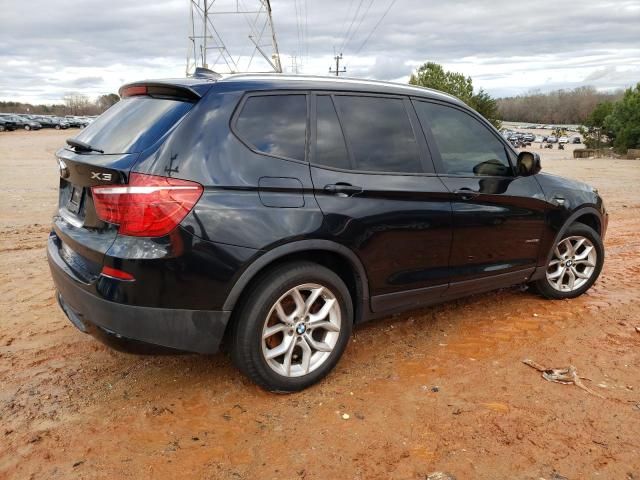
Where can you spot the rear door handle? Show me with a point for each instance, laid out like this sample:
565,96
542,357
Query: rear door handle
466,193
342,189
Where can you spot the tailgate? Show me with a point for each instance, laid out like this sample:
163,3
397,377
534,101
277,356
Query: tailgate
84,238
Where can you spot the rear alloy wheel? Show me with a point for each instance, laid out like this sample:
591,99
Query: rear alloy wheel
27,127
575,263
293,328
301,330
57,127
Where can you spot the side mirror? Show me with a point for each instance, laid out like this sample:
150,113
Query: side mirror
528,164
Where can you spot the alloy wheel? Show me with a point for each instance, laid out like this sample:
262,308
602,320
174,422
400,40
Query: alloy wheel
301,330
572,265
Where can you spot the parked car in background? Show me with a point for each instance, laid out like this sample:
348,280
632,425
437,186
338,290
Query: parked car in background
552,139
539,139
7,125
563,139
25,122
21,122
53,122
76,121
576,140
528,137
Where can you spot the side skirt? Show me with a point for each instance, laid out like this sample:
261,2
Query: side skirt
390,303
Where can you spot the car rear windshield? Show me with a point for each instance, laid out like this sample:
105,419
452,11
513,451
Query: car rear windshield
133,124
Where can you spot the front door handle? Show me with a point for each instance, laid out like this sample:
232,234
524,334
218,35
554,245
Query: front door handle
342,189
466,193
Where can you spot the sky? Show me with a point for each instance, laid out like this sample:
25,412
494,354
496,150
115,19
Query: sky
50,48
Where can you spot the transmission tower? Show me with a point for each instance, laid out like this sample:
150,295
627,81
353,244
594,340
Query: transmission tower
245,26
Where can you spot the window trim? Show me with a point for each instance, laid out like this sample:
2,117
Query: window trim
424,154
435,150
272,93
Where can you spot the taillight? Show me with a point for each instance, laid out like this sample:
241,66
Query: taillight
149,206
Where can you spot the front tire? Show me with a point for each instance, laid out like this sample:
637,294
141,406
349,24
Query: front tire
293,328
575,263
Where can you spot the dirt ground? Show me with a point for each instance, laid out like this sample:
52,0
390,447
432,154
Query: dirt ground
439,389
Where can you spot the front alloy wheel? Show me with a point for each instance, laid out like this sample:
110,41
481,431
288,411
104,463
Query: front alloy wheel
574,264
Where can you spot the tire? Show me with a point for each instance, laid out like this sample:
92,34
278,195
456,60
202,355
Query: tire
27,127
57,127
250,351
1,128
586,260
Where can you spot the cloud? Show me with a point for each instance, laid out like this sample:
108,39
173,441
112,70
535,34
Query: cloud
50,48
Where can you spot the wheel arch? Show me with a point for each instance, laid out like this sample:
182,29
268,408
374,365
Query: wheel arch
334,256
589,216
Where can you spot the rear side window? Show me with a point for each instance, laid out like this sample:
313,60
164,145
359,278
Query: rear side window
275,124
379,134
331,150
133,124
466,146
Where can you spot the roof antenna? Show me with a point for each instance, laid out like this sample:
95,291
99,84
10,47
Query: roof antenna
202,72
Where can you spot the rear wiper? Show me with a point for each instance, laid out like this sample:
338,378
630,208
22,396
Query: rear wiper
82,146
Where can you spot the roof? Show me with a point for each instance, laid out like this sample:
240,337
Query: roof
312,82
277,81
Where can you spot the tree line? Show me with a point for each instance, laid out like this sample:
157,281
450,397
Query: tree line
432,75
74,104
556,107
615,123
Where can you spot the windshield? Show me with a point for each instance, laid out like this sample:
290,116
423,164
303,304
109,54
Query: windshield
133,124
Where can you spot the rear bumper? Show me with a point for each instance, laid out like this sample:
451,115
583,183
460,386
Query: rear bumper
198,331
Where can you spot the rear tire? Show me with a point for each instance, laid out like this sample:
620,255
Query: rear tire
27,127
293,327
57,127
575,264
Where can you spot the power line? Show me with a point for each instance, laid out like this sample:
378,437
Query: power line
355,31
295,4
306,29
351,25
376,26
343,28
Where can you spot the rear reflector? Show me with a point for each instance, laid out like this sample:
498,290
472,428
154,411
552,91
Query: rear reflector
115,273
149,206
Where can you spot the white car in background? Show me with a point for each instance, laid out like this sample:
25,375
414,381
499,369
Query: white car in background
563,139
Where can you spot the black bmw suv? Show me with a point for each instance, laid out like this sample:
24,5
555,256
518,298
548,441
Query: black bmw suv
270,214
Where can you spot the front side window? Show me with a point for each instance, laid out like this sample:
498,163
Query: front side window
275,124
466,146
379,134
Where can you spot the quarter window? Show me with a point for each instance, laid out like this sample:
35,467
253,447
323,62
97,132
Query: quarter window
275,124
466,146
379,134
